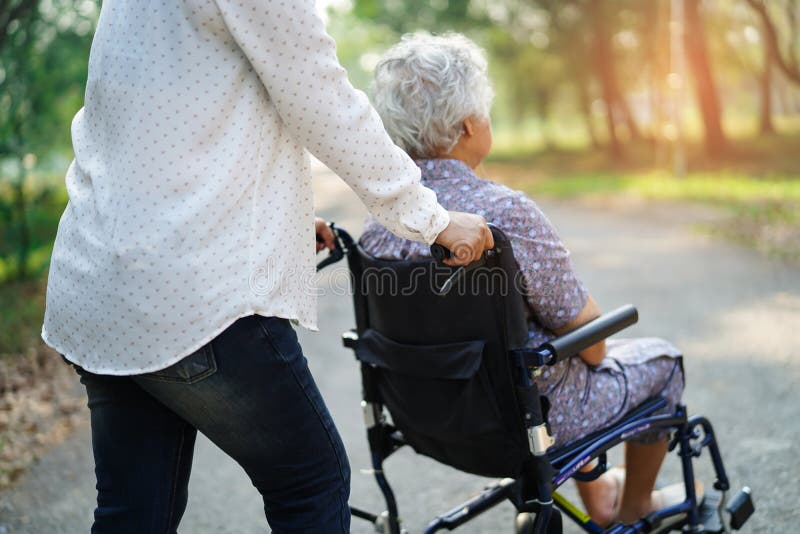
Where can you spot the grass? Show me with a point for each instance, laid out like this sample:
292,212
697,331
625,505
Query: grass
755,184
715,188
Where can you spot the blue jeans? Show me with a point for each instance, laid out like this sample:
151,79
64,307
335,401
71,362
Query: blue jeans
250,391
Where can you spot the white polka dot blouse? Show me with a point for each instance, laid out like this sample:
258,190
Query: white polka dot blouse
190,199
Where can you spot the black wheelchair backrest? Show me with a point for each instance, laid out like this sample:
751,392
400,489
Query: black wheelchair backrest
443,365
400,299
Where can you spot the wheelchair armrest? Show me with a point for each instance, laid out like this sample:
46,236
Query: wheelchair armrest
584,336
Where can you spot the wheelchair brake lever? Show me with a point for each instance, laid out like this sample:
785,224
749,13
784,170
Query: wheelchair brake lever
440,253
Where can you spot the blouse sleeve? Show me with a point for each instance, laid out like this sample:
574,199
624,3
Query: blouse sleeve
553,290
295,59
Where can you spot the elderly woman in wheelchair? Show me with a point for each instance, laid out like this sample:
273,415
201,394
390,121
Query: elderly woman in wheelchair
434,97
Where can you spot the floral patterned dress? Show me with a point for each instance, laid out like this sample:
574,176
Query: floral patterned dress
583,398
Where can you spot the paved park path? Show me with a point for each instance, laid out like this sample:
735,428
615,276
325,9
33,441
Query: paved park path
736,316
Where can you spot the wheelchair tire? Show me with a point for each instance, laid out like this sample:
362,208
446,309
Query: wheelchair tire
524,523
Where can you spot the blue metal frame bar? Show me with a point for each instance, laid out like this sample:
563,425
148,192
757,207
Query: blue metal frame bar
464,512
603,443
472,508
685,428
613,438
686,432
575,460
559,456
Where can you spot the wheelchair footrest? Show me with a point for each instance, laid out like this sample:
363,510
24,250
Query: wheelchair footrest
741,508
711,512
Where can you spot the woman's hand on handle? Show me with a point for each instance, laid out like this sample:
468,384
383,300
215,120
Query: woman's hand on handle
467,236
324,234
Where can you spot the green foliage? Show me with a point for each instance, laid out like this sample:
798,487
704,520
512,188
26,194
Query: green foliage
404,16
44,205
44,46
43,68
44,64
359,45
21,315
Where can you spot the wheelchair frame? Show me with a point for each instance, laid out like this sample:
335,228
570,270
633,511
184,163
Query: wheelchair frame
689,435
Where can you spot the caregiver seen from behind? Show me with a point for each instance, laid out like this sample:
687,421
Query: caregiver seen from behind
188,242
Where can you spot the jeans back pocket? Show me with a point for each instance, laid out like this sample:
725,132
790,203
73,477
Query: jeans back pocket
193,368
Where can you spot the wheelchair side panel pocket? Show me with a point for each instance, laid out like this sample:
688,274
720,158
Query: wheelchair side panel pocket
441,398
457,361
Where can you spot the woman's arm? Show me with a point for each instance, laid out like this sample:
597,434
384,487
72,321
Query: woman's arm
594,354
558,300
288,47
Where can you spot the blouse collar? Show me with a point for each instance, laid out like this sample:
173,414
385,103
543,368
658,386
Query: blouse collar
440,168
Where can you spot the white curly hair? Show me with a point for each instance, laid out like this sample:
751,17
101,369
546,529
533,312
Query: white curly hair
424,88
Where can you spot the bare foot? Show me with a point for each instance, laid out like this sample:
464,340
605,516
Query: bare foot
602,496
661,498
673,494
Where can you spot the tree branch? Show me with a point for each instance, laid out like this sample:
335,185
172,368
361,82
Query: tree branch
791,47
786,65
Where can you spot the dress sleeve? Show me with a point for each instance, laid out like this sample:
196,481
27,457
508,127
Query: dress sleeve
295,59
552,289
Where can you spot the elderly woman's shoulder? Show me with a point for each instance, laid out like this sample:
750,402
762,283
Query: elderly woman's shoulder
508,196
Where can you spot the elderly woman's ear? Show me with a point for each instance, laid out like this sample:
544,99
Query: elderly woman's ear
469,126
474,143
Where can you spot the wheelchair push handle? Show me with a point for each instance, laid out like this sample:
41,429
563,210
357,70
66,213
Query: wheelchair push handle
342,243
440,252
592,332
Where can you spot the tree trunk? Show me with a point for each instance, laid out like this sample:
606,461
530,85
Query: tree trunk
707,96
585,106
604,67
765,87
625,110
20,206
543,101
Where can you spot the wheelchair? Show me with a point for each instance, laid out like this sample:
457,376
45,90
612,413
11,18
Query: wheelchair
445,370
